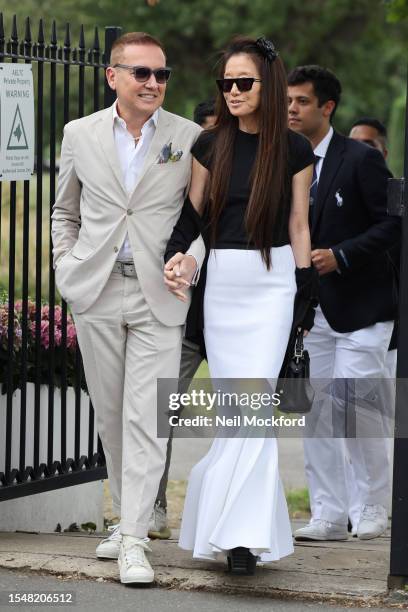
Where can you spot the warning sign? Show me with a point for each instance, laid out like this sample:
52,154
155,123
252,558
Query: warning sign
17,139
16,122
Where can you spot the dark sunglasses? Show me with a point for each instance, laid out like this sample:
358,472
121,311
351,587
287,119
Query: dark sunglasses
142,73
242,83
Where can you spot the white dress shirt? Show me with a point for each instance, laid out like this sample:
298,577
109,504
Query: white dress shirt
321,151
131,155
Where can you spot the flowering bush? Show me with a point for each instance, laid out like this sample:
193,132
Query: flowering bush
42,359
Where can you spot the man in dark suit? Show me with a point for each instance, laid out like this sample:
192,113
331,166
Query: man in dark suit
350,234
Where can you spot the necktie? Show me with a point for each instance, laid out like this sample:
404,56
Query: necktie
315,182
313,188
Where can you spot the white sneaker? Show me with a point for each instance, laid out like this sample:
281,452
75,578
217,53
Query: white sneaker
158,524
321,530
373,522
132,561
109,547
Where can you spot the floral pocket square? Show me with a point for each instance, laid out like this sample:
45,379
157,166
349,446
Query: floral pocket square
167,154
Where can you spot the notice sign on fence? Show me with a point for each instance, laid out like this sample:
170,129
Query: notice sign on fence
16,122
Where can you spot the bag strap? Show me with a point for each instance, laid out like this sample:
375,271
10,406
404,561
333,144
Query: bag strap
299,347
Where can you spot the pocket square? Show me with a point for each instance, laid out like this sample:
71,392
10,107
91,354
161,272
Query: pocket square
167,154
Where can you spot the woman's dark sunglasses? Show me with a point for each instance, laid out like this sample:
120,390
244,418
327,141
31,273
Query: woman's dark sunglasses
142,73
242,83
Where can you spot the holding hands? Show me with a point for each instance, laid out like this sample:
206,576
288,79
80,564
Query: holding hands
179,272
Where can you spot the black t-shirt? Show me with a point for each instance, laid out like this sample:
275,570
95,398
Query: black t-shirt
231,232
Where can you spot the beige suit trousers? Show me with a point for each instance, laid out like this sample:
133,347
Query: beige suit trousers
125,349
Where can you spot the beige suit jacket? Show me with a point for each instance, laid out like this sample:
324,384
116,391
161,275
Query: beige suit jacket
93,211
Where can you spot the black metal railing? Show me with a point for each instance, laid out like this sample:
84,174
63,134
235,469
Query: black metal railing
48,436
398,576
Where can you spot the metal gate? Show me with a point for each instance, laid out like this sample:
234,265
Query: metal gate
48,437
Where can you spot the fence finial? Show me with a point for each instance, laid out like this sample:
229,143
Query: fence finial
41,32
54,33
96,40
27,35
81,45
67,40
14,35
1,28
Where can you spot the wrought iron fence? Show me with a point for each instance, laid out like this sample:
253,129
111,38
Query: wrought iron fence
47,429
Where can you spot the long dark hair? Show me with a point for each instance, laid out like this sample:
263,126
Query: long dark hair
269,178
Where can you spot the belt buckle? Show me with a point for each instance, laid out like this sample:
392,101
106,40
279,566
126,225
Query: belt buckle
124,267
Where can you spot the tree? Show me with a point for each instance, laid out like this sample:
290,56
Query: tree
355,38
397,10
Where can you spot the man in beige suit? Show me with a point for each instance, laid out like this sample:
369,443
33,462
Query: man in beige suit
123,177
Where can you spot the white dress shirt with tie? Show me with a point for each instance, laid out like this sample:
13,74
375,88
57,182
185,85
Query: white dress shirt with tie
321,150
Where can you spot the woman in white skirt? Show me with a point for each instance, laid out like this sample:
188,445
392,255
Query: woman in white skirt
249,195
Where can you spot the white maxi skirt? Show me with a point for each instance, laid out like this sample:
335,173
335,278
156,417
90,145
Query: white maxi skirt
234,495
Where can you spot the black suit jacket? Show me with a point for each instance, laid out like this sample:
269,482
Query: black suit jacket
350,217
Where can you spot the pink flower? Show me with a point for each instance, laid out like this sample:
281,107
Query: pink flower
4,314
58,315
45,334
57,336
71,336
31,310
45,312
17,336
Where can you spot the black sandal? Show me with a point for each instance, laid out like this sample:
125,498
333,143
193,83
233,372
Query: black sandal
241,561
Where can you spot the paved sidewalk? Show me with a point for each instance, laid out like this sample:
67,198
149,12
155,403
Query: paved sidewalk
352,572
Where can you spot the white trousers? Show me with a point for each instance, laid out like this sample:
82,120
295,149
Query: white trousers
360,355
388,391
125,349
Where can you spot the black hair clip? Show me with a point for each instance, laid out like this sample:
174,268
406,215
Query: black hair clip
267,48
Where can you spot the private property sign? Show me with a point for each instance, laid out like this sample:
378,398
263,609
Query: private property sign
16,122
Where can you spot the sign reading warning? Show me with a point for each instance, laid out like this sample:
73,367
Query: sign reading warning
16,122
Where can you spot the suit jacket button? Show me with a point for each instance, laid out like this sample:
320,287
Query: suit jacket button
129,211
115,249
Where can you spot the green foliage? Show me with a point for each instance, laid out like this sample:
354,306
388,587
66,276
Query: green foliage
397,10
363,41
396,134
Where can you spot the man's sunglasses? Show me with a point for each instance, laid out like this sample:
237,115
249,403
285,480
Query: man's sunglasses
242,83
142,73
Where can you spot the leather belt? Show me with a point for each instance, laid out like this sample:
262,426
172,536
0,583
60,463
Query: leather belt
125,268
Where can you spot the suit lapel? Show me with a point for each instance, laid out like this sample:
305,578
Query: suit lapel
330,168
162,136
105,136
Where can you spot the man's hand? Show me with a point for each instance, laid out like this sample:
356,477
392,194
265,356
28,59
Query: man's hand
178,273
324,261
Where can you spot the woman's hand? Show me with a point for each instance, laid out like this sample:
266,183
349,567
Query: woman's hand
178,274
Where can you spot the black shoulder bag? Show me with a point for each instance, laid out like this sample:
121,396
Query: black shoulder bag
296,392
